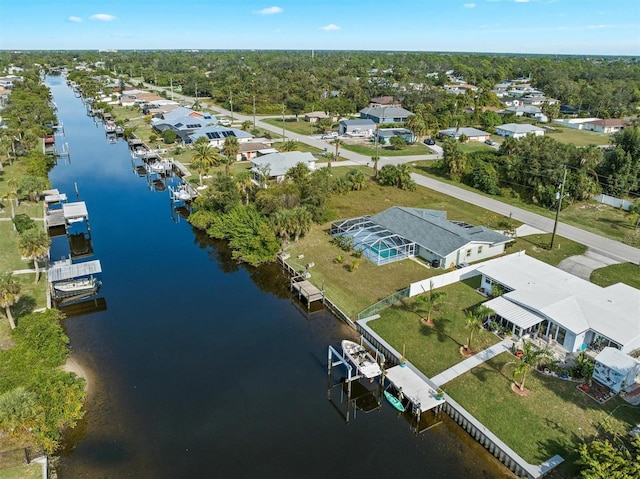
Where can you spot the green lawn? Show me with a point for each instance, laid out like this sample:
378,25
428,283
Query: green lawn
408,150
433,349
542,424
577,137
301,127
537,246
627,273
31,471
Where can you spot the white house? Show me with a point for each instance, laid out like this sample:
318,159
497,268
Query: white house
543,301
518,130
575,123
610,125
615,369
217,134
473,134
276,165
362,127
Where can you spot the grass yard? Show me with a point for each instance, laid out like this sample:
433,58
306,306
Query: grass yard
290,124
542,424
351,291
10,259
433,349
30,471
627,273
370,150
577,137
537,246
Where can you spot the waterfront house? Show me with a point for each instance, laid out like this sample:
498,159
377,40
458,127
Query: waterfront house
276,165
398,233
566,311
216,134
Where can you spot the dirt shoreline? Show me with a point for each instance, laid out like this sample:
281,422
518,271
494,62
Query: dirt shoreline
73,366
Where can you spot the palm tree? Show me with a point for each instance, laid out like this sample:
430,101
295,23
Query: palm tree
9,294
301,220
282,221
203,158
18,410
531,358
34,244
474,322
245,184
375,158
330,157
430,301
247,125
416,124
337,143
289,145
231,147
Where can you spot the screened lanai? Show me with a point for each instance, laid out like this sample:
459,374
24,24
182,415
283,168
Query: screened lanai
378,244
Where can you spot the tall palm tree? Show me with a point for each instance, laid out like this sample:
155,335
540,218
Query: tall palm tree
337,143
301,220
416,124
231,147
34,244
474,321
375,158
282,221
203,158
9,294
531,358
330,157
245,184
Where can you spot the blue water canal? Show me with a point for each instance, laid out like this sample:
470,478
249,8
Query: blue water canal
203,368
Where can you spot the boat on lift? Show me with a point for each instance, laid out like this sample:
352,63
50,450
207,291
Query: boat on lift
361,359
75,287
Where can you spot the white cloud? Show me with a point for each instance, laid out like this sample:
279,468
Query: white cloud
330,27
103,17
521,1
269,11
74,19
469,5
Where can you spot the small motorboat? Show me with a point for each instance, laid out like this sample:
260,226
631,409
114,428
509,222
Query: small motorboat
394,401
361,358
77,286
181,194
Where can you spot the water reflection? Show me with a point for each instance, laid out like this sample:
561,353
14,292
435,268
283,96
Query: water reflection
201,367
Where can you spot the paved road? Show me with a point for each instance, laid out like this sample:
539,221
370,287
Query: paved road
599,244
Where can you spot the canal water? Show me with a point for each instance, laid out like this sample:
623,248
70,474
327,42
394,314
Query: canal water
200,367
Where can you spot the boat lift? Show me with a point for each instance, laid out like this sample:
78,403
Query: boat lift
350,383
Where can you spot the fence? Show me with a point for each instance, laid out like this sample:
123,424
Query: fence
384,303
613,201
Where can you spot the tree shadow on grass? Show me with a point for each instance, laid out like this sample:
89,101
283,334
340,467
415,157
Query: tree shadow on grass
565,447
438,329
25,305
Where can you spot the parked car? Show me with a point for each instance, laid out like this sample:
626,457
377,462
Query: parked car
224,121
490,142
329,136
429,141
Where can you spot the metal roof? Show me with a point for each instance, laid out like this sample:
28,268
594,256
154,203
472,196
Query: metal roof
75,210
61,272
514,313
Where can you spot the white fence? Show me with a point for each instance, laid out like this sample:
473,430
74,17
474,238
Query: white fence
452,276
613,201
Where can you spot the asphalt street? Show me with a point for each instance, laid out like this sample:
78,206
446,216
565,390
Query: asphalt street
604,246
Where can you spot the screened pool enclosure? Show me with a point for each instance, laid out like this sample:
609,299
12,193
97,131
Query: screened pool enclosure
378,244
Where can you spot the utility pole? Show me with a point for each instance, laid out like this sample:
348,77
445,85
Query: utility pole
559,197
231,103
254,111
171,83
283,136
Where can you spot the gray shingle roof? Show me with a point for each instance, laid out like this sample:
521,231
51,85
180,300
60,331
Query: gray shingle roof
431,229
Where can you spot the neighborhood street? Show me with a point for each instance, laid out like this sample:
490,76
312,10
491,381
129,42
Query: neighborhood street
607,247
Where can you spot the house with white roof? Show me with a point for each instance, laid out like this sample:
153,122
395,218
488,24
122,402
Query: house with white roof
361,127
472,134
385,114
518,130
276,165
542,301
398,233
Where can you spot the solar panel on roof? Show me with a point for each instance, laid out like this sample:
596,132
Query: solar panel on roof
194,125
178,125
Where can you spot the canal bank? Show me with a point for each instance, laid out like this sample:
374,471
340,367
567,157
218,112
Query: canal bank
206,367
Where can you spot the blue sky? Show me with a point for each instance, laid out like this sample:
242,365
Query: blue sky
610,27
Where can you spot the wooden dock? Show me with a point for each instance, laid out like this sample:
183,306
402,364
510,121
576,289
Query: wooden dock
420,392
304,289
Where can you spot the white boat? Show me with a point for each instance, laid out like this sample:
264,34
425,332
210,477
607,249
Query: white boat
361,358
73,287
181,194
110,126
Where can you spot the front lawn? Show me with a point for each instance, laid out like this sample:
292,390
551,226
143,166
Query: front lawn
407,150
300,127
627,273
553,419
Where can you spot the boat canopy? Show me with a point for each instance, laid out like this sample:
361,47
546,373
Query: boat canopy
62,272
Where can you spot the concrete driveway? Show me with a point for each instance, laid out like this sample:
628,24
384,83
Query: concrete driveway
584,264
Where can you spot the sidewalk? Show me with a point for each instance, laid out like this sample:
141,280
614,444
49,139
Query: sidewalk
470,363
